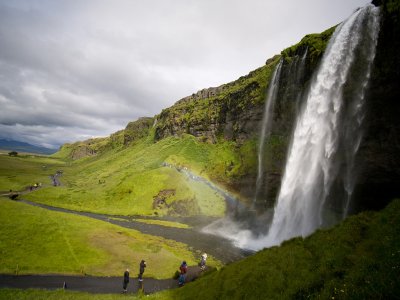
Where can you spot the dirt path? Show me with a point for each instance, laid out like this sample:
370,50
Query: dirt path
104,285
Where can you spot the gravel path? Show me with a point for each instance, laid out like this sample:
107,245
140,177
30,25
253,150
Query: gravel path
105,285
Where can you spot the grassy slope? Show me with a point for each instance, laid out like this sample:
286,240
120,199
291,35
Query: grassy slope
42,241
358,259
17,173
125,180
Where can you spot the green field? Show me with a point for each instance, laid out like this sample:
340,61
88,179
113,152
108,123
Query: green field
39,241
126,180
17,173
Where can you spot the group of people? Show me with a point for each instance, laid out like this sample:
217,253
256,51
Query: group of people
142,266
183,268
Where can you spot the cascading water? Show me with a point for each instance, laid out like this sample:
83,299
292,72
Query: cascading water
312,164
266,125
320,167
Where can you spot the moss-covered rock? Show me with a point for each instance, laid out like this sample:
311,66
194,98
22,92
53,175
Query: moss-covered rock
137,130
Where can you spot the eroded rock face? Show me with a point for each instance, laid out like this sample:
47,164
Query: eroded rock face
210,114
82,151
379,155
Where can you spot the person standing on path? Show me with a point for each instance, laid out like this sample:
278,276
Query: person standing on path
182,277
126,280
142,266
202,263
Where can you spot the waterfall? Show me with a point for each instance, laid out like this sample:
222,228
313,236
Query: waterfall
320,171
266,124
353,130
312,165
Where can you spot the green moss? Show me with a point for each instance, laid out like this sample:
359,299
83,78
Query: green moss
315,43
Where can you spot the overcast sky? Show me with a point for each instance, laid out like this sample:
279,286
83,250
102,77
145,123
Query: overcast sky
71,70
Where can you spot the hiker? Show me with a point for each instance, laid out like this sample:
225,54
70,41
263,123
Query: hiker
142,266
202,263
126,280
183,270
13,195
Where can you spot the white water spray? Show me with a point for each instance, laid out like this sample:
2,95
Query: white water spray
310,168
266,124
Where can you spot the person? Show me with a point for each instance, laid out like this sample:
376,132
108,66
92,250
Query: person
183,270
203,261
142,266
126,280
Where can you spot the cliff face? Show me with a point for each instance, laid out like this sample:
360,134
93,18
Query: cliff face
234,112
379,155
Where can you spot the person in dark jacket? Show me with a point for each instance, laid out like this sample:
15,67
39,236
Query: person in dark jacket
142,266
126,280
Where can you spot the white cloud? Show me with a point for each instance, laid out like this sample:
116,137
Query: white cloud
89,67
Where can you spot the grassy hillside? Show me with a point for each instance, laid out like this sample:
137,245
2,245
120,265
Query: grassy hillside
358,259
38,241
129,180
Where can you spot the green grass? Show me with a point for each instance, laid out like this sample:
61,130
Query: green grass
358,259
163,223
35,240
59,295
17,173
125,181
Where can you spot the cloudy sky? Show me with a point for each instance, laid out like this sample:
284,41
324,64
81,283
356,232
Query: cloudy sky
71,70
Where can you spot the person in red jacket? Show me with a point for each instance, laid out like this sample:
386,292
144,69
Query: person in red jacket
183,269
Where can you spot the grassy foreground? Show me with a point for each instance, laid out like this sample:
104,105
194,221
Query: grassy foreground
358,259
57,295
39,241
